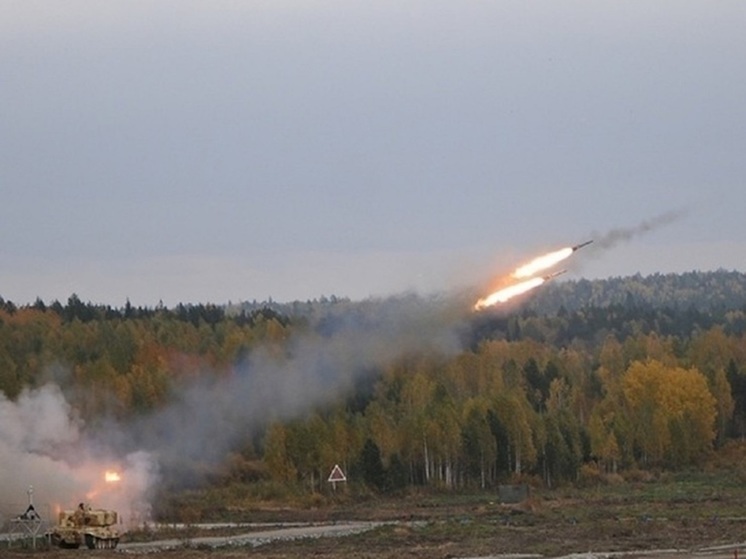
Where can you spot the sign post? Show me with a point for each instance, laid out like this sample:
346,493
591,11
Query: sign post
337,475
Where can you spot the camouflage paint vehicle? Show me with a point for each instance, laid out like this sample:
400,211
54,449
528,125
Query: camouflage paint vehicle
92,527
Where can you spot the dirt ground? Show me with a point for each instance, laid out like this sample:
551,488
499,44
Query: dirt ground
446,529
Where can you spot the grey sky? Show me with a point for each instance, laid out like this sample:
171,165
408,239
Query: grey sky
206,151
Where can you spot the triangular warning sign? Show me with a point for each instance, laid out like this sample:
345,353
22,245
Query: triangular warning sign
337,474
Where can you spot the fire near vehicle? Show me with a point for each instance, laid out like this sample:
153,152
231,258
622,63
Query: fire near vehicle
93,527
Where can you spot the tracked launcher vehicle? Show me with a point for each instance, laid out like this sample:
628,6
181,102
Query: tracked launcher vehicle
92,527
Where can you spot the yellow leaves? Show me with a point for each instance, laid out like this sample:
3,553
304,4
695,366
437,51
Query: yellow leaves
279,464
711,350
519,419
671,410
383,429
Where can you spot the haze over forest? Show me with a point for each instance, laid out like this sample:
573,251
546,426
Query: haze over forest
244,241
401,391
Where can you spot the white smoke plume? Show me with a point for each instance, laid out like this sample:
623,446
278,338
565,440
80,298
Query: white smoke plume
44,451
43,442
212,415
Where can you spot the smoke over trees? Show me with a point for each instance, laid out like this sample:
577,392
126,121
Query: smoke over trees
400,391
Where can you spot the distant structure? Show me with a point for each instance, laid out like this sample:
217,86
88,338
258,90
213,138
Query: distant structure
27,525
513,494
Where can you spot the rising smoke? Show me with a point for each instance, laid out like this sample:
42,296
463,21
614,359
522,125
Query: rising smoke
44,444
211,415
45,451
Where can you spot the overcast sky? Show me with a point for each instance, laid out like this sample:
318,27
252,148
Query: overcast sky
191,151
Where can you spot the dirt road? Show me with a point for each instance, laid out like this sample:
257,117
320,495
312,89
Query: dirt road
253,538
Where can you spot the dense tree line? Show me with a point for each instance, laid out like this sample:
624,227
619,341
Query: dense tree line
621,382
701,291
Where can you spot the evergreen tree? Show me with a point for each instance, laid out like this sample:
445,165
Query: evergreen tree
371,466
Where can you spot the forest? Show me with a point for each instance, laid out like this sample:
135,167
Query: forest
584,379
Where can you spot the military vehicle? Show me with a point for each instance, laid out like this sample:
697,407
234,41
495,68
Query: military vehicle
92,527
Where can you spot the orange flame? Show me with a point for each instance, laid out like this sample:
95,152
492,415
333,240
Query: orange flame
527,273
508,293
112,477
542,263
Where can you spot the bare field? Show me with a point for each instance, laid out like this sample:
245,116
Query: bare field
680,519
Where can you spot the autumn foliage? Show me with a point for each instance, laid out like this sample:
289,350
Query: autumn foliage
529,394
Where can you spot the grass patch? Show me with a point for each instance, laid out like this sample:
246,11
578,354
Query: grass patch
685,510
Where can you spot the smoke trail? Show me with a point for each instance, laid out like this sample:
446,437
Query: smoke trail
619,235
43,442
212,415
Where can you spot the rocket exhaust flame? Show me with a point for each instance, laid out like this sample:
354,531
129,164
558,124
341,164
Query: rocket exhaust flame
551,259
503,295
514,290
546,261
527,273
542,263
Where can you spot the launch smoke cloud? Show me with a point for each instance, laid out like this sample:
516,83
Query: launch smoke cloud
45,446
43,443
